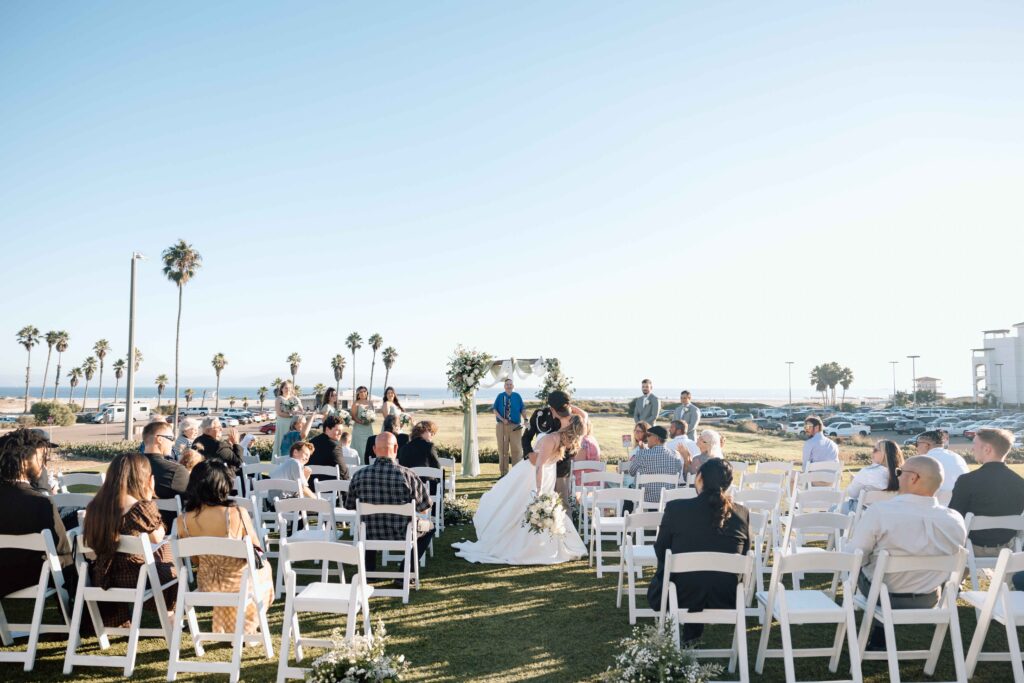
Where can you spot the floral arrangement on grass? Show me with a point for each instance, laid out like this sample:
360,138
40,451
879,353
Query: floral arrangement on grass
465,370
360,660
544,515
650,655
457,510
366,415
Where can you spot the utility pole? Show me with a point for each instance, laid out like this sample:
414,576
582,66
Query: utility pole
913,372
789,370
129,409
894,363
1001,394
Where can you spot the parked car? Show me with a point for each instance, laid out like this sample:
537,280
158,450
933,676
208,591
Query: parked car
882,422
795,428
228,421
910,427
8,419
769,425
847,429
198,411
958,428
739,417
713,411
268,428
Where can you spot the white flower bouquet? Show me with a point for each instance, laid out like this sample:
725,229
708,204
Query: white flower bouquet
345,417
367,415
544,515
465,370
650,655
359,661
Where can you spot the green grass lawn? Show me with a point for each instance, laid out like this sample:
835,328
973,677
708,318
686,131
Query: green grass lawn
472,622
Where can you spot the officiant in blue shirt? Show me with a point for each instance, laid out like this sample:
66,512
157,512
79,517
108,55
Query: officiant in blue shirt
508,413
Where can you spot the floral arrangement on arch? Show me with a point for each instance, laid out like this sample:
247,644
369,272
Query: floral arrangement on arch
465,370
360,660
650,655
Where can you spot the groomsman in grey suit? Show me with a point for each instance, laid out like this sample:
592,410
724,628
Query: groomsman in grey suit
688,413
647,404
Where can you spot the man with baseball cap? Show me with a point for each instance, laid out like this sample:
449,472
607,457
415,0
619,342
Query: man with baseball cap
655,459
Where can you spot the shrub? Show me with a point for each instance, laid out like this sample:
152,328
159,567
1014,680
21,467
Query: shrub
262,447
488,455
26,420
747,427
98,451
165,409
52,413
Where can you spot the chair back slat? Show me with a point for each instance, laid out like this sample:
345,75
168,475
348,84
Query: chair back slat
34,542
820,563
727,563
192,546
982,523
321,550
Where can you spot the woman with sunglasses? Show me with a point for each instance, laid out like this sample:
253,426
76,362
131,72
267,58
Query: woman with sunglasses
880,475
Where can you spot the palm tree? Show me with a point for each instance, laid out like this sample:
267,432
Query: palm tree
354,342
293,365
338,366
138,358
28,337
376,341
51,340
845,380
119,369
389,357
318,389
231,401
74,374
63,338
262,393
101,349
189,395
818,381
89,370
161,384
181,262
218,362
245,402
276,384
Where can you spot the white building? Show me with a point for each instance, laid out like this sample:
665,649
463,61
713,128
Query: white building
998,366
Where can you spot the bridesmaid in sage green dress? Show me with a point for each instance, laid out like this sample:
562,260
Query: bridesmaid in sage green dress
361,429
287,406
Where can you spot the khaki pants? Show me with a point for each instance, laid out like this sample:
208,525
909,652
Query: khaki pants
509,439
991,550
562,489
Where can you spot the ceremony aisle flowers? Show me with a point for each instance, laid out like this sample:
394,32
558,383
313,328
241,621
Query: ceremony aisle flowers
457,510
360,660
465,370
544,515
650,655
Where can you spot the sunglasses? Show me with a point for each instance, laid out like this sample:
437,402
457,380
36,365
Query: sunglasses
166,436
901,470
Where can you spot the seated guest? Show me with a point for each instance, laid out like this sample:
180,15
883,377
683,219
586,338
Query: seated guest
639,437
953,464
294,469
385,482
992,490
210,512
346,447
299,430
655,459
327,449
245,442
208,442
818,447
420,450
709,446
210,445
43,482
679,441
390,426
913,523
711,522
880,475
24,510
589,449
190,458
124,506
170,477
188,430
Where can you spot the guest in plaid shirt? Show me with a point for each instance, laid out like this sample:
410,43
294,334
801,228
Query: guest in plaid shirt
385,482
655,459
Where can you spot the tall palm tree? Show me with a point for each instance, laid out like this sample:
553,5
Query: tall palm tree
232,400
845,380
51,340
262,394
161,384
28,337
354,342
63,338
389,357
119,369
181,262
89,370
338,366
73,376
218,363
189,395
101,349
376,341
819,382
245,402
293,365
138,358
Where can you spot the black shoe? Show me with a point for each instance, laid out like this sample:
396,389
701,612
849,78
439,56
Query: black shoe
876,641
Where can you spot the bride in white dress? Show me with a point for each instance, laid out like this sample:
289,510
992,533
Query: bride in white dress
502,538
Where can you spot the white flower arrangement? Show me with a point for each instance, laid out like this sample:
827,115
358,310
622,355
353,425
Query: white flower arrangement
345,417
544,515
367,414
360,660
465,370
650,655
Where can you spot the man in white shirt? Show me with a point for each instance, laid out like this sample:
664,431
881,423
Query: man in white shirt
346,446
818,447
294,469
679,440
953,465
911,524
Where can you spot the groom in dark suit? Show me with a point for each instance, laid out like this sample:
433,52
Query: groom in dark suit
546,421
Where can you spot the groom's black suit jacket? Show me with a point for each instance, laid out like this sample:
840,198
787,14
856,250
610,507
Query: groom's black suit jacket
544,422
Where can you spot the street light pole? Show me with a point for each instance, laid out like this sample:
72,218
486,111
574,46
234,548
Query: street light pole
129,410
894,363
1001,394
789,371
913,372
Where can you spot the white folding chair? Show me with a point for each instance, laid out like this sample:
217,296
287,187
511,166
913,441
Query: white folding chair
609,527
265,490
760,538
248,503
435,475
764,480
448,465
406,548
768,501
88,597
41,543
188,599
1004,605
680,493
726,563
334,490
330,471
321,597
878,606
826,466
66,480
253,472
980,523
739,470
820,479
594,481
797,606
817,500
579,469
172,505
660,482
636,554
71,500
295,525
831,527
784,467
868,497
351,461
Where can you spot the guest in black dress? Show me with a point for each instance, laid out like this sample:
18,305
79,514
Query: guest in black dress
711,522
420,450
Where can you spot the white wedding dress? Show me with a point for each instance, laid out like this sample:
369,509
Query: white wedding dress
502,538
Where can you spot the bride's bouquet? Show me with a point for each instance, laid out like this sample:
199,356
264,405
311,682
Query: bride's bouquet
544,515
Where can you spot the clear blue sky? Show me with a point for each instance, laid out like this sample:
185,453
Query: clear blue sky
694,192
